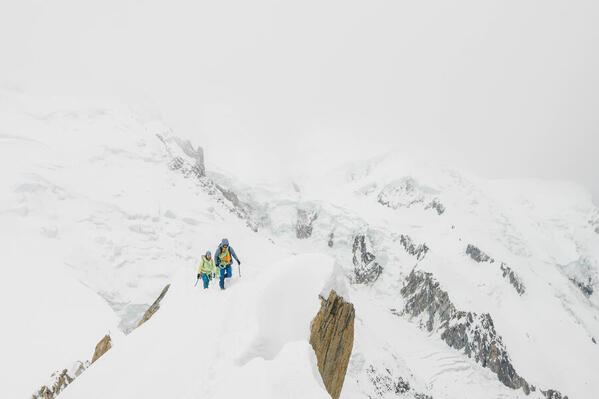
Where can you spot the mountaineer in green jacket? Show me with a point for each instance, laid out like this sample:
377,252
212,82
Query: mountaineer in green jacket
207,269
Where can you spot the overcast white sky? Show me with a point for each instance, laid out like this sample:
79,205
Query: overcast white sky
504,88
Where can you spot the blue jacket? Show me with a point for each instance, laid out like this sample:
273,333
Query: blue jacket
220,248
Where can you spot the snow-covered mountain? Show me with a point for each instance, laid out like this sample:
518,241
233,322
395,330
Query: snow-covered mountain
462,287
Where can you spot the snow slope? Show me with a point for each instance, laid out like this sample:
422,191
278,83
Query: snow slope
109,200
251,338
94,226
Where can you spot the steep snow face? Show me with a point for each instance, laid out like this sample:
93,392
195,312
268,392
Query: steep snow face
248,341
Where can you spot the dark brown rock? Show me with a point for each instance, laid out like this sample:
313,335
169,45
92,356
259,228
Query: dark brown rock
101,348
154,307
61,379
332,337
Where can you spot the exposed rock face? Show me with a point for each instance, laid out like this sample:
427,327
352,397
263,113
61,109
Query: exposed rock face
475,334
190,163
436,205
64,378
332,337
551,394
478,255
101,348
513,278
594,222
60,380
586,288
230,195
154,307
366,269
471,332
419,251
402,193
198,167
305,218
424,296
385,384
583,273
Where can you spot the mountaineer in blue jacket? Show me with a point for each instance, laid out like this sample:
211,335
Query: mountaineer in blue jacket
223,257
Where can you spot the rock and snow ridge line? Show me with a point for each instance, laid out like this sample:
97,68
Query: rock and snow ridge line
335,228
479,256
60,380
473,333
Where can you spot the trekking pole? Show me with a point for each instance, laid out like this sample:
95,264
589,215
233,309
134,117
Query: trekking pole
239,269
196,282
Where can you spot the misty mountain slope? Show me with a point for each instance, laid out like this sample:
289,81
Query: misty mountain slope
462,286
537,236
95,183
88,195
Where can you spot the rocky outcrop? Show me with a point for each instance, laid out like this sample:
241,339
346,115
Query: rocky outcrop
513,278
551,394
366,269
305,219
583,273
332,337
183,148
102,347
188,161
436,205
470,332
60,380
154,307
594,222
586,288
426,300
478,255
65,377
331,241
402,193
229,195
385,384
419,251
475,334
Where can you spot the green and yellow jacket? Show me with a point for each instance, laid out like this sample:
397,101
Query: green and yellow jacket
207,266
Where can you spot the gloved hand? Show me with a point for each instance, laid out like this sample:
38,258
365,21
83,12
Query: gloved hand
238,263
199,276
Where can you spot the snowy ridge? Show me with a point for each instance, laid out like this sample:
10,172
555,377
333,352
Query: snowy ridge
251,333
117,206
